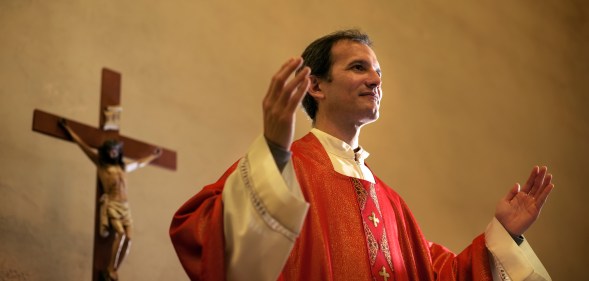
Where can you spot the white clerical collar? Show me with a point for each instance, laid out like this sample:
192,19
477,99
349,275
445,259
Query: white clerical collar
340,148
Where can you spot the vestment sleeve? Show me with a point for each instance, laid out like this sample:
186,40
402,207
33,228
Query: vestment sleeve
510,261
264,213
244,226
495,250
197,233
470,264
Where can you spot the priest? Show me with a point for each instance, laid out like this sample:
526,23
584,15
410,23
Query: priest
313,210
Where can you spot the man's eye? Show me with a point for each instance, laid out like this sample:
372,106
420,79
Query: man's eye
358,67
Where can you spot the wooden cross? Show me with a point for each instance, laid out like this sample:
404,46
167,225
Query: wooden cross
47,123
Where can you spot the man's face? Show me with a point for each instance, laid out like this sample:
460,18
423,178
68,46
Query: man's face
352,93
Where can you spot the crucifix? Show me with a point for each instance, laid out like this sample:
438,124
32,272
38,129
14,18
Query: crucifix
49,124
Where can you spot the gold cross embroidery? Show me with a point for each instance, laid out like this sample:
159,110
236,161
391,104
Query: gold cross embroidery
374,219
383,273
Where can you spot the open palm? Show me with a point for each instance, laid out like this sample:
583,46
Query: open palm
520,208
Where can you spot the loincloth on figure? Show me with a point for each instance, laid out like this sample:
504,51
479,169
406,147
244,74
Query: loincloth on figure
113,210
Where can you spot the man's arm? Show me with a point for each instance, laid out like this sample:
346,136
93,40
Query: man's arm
510,261
263,215
244,226
264,212
514,214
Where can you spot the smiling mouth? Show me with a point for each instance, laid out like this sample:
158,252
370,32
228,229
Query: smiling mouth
372,95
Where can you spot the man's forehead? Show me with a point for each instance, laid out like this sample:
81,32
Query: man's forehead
347,51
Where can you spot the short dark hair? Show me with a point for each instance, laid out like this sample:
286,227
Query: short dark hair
317,56
104,153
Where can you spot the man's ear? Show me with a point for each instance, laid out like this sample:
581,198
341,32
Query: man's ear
315,88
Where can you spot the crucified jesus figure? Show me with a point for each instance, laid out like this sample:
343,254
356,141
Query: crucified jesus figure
115,213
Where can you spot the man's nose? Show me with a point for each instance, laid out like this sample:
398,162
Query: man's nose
374,80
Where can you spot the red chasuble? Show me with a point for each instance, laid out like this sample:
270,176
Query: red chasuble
354,230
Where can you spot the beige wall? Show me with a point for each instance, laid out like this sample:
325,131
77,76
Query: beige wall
475,95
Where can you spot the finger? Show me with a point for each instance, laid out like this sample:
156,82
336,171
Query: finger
539,181
294,86
530,181
274,82
279,79
299,94
289,89
512,192
544,195
547,181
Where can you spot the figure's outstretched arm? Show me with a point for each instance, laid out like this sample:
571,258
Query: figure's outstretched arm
89,151
140,163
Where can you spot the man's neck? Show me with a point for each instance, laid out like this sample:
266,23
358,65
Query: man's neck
348,134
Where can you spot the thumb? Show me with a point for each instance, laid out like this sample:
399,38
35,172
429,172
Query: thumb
512,192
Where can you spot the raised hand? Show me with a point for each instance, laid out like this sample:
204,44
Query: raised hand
282,100
519,209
